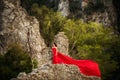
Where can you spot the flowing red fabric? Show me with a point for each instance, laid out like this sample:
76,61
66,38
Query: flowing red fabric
86,67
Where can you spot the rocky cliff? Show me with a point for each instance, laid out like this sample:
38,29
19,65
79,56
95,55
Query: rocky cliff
101,11
17,27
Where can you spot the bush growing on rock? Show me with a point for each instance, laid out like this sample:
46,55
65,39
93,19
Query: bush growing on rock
50,22
14,61
93,41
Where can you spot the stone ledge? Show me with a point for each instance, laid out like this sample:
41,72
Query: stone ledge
54,72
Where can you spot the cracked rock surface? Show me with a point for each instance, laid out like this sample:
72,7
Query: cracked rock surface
54,72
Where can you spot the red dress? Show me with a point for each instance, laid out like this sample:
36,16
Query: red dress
86,67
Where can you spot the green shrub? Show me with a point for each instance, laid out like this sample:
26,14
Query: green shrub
93,41
14,61
34,63
50,22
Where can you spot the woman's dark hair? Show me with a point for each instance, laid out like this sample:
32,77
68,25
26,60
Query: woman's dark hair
55,44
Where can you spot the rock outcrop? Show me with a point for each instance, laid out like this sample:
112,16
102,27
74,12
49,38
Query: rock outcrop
54,72
63,7
16,27
62,42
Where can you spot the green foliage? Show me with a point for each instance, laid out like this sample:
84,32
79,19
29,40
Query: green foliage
50,22
34,63
14,61
93,41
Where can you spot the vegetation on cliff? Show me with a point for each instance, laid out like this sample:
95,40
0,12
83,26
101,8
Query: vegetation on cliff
14,61
87,40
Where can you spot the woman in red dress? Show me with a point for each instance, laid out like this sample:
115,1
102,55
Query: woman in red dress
86,67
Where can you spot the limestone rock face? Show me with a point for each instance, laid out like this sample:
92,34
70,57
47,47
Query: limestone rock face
16,27
105,12
63,7
54,72
62,42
